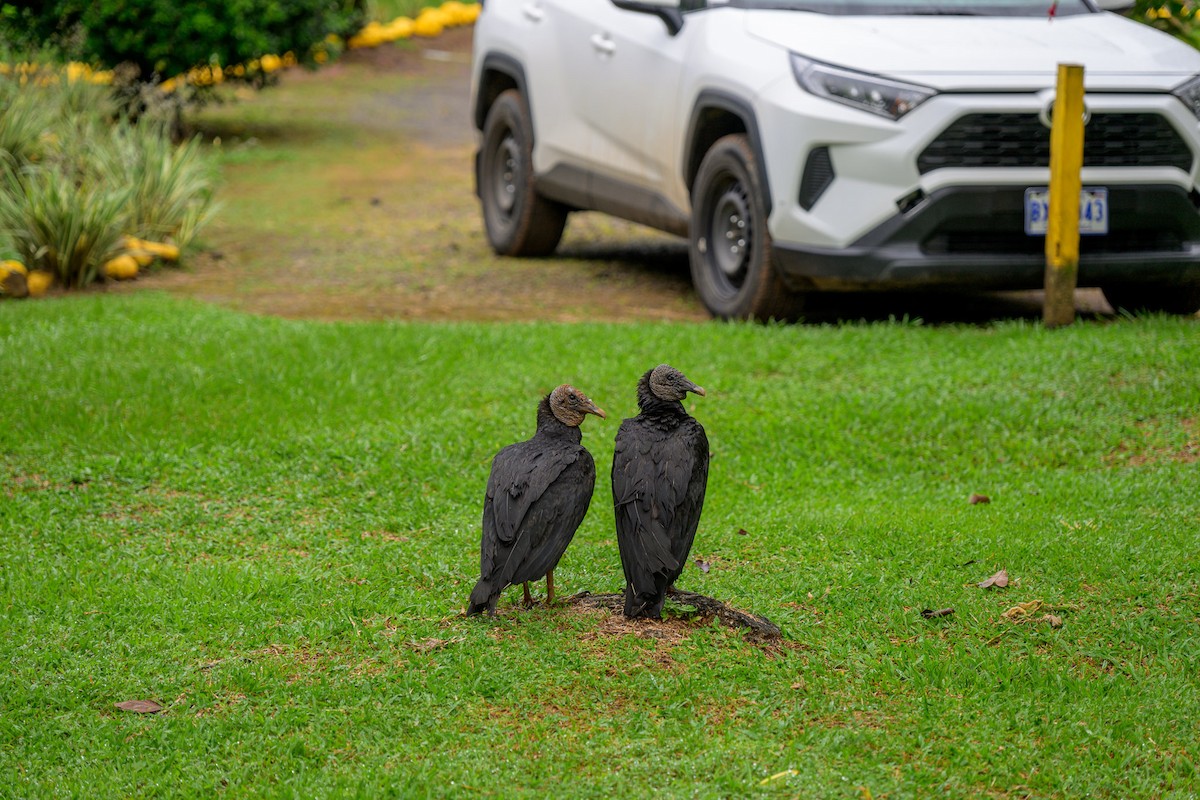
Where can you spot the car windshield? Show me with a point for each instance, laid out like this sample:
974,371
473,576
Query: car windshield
973,8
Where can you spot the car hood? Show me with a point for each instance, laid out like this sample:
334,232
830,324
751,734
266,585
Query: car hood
956,53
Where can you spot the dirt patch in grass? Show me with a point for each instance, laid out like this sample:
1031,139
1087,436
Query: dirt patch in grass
349,194
1151,449
669,631
222,704
301,664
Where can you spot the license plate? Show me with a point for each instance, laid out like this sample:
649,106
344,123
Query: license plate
1093,211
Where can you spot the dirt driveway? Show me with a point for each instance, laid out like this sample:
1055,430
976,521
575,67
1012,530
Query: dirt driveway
348,195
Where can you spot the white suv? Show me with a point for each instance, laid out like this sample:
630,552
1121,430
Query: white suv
806,145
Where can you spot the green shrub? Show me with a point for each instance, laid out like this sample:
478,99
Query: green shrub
163,39
390,9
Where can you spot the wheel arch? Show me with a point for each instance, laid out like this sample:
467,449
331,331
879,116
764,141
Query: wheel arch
716,114
499,73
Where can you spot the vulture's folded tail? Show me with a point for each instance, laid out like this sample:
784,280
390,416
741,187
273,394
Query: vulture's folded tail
483,598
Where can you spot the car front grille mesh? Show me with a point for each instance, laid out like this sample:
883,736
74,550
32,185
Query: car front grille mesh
990,242
818,175
1020,140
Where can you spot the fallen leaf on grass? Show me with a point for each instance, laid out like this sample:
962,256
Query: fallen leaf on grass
999,580
1023,609
1054,620
702,564
140,706
787,773
929,613
977,499
743,532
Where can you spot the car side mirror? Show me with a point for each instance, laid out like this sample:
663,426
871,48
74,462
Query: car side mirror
666,10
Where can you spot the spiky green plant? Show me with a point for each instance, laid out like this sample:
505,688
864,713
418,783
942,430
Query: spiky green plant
60,224
171,186
78,99
72,180
25,124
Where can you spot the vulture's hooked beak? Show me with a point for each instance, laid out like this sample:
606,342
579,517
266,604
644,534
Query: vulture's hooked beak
592,408
694,389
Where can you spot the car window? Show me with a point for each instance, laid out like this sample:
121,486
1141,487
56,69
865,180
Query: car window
982,8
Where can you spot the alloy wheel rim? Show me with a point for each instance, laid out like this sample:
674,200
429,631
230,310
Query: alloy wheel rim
504,184
730,239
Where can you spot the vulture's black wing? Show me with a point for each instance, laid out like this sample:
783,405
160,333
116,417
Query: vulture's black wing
552,519
691,437
536,498
658,483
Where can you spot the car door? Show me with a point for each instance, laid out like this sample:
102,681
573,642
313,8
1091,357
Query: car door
543,29
623,70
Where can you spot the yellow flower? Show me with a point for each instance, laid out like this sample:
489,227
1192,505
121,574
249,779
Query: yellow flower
39,281
121,268
399,28
142,257
453,13
12,266
370,36
429,23
164,250
13,280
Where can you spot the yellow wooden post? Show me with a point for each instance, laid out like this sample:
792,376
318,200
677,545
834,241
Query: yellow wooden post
1066,163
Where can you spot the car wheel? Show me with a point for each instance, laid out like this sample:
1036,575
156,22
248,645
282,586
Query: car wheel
1169,299
730,247
519,221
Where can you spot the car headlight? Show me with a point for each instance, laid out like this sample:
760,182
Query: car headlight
1189,93
887,98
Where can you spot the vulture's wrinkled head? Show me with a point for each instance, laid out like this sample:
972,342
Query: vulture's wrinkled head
570,406
668,383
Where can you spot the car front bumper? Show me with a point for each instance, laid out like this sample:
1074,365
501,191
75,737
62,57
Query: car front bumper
972,237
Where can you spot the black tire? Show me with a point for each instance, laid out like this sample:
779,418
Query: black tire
729,246
518,221
1169,299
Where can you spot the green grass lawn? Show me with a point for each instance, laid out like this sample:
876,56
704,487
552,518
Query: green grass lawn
271,527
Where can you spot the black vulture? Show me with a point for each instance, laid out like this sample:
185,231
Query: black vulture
659,474
537,494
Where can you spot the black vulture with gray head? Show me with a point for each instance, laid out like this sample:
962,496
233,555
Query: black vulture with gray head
537,494
659,474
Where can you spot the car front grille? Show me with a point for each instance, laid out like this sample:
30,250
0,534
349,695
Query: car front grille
1020,140
981,242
